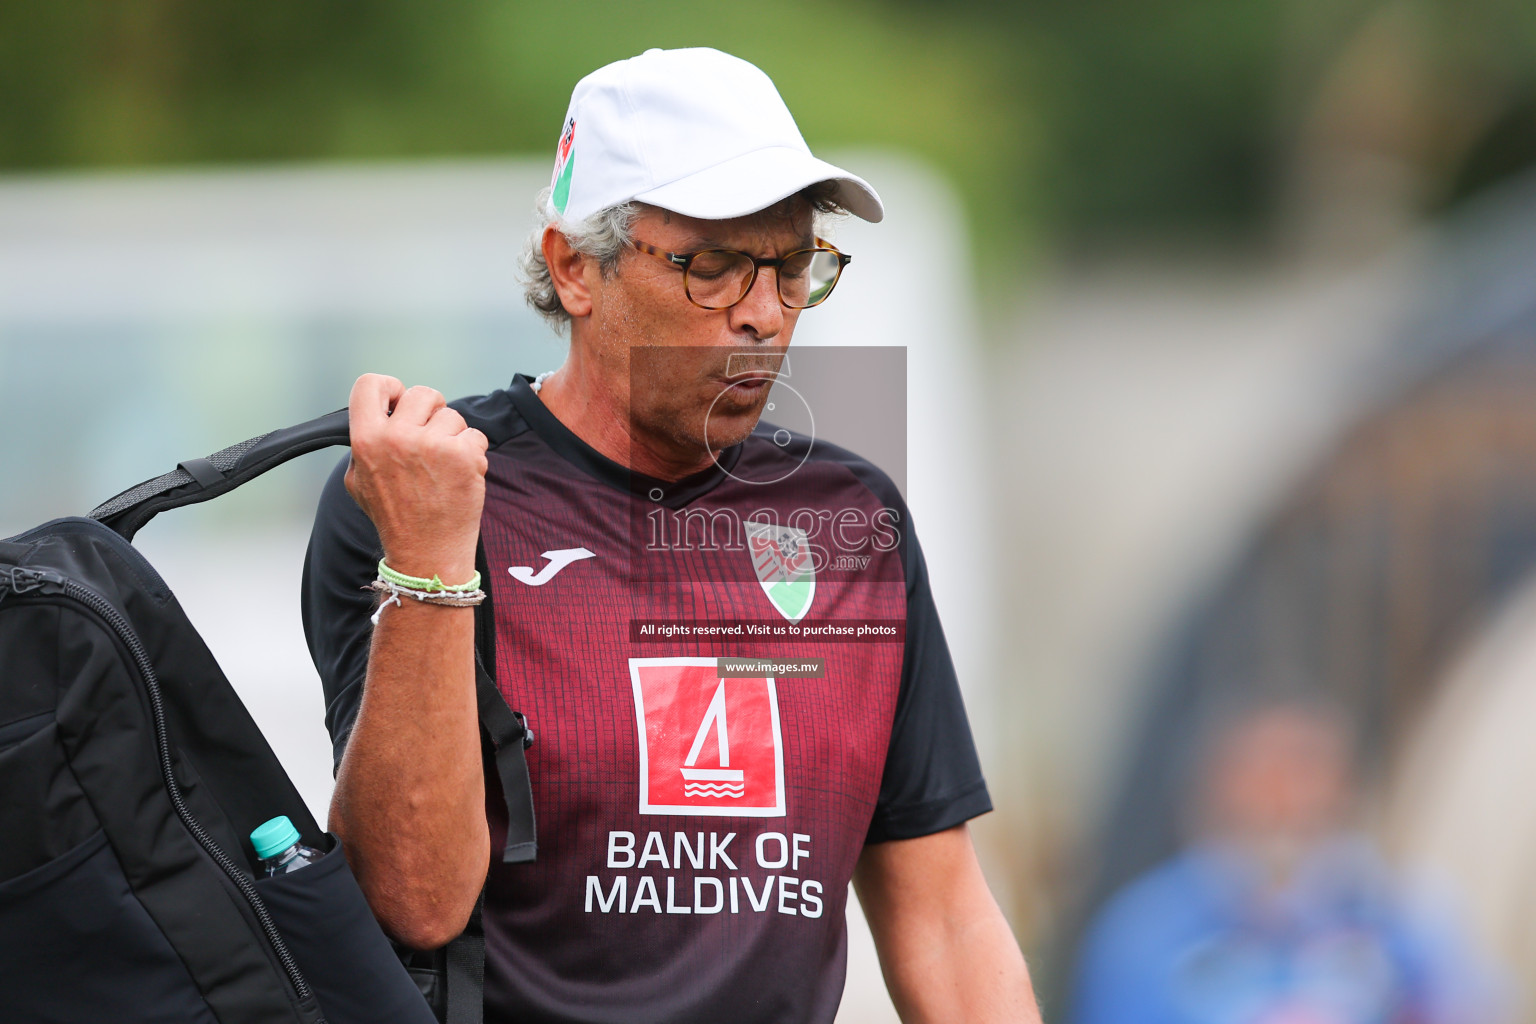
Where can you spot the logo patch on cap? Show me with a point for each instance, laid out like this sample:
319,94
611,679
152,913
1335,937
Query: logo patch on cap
560,181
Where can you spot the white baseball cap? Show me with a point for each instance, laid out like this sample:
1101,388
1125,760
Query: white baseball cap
694,131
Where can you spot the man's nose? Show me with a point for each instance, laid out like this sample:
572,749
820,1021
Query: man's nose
760,313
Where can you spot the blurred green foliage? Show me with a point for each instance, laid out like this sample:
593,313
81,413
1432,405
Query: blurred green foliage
1054,119
85,83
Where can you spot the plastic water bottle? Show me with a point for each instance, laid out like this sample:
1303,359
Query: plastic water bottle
277,844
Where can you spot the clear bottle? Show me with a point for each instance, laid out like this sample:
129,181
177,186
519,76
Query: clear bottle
277,844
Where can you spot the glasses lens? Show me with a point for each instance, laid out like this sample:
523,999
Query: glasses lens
718,278
807,277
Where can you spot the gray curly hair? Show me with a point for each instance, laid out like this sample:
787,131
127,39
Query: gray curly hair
603,237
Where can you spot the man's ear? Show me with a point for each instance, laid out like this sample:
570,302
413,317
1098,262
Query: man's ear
567,272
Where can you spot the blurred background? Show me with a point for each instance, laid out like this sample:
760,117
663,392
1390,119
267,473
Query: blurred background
1221,334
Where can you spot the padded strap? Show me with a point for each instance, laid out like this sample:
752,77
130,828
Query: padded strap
466,972
511,736
507,731
203,471
200,479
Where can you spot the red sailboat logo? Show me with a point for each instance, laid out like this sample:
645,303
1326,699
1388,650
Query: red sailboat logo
724,780
706,744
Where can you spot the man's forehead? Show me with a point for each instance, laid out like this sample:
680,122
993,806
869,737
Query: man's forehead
789,222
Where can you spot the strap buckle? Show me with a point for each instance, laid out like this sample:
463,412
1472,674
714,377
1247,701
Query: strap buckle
527,730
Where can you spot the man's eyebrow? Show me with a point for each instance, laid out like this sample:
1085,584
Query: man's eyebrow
693,243
699,242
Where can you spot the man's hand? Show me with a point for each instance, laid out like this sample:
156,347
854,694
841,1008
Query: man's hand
410,791
945,949
419,473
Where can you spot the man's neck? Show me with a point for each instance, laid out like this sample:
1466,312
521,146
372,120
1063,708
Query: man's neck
600,417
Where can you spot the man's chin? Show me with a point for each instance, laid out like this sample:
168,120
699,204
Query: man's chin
725,431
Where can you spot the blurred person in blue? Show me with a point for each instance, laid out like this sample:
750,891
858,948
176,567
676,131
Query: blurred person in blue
1277,913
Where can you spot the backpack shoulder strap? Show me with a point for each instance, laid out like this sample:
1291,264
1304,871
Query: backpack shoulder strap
509,737
508,731
464,972
201,479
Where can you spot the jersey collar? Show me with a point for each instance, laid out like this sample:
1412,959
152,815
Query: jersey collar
559,437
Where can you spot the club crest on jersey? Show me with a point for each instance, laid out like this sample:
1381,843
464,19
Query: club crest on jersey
781,557
707,745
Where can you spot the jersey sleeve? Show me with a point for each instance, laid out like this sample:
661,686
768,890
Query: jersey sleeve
336,603
932,779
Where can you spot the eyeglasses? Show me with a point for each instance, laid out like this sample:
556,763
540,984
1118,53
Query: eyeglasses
720,278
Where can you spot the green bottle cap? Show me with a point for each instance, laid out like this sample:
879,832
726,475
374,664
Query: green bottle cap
274,836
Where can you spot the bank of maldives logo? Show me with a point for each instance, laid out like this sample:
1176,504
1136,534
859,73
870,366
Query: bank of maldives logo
781,556
707,745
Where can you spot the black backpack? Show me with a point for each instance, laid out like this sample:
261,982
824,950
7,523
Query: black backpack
132,777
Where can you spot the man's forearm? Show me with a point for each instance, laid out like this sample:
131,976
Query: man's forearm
972,972
410,794
945,948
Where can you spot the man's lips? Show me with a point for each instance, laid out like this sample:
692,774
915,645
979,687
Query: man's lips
746,384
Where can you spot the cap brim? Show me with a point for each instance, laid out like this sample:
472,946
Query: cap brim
755,181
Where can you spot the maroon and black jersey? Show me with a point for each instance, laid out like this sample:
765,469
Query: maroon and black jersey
736,680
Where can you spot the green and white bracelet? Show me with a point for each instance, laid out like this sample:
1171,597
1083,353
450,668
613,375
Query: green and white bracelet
427,591
432,586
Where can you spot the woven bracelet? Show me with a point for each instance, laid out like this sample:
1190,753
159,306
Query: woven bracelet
431,586
445,598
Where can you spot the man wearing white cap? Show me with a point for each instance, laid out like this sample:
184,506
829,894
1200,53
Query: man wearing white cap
717,756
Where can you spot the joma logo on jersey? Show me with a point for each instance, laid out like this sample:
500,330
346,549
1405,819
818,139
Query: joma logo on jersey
707,745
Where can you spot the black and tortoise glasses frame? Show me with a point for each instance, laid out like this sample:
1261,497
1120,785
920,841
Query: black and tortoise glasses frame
720,278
